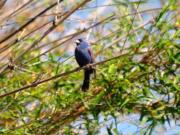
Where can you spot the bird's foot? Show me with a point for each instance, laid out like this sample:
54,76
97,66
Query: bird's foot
90,67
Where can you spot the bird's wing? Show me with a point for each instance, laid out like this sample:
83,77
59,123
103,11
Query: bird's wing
93,60
91,54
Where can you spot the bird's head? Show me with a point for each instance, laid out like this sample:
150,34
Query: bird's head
78,41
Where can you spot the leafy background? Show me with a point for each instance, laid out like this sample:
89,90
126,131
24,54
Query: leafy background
136,89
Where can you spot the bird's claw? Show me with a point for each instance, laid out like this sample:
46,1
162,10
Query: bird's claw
88,67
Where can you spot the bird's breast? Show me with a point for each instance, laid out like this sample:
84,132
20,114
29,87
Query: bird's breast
82,56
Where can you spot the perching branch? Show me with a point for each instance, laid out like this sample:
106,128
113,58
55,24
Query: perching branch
60,75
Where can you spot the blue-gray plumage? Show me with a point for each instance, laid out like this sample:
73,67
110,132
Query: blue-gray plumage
84,56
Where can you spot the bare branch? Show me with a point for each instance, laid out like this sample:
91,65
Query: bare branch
2,2
28,23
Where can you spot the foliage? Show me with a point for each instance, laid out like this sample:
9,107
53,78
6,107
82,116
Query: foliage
143,80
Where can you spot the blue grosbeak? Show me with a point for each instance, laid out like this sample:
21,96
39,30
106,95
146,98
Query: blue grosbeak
84,56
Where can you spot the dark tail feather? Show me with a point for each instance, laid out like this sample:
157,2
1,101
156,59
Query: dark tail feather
86,81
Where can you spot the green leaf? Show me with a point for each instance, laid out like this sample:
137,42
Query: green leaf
112,69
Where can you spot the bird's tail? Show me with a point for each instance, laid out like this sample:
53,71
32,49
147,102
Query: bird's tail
86,81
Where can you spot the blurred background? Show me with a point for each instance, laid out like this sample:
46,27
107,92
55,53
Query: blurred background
37,39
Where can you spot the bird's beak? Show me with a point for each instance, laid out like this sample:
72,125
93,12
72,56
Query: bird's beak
77,41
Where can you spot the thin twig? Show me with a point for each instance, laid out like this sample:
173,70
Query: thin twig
130,28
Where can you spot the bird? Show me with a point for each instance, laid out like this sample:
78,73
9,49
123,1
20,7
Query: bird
84,56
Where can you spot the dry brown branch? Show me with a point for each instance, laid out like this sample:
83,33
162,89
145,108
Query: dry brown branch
2,2
53,27
28,23
15,11
5,47
16,41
